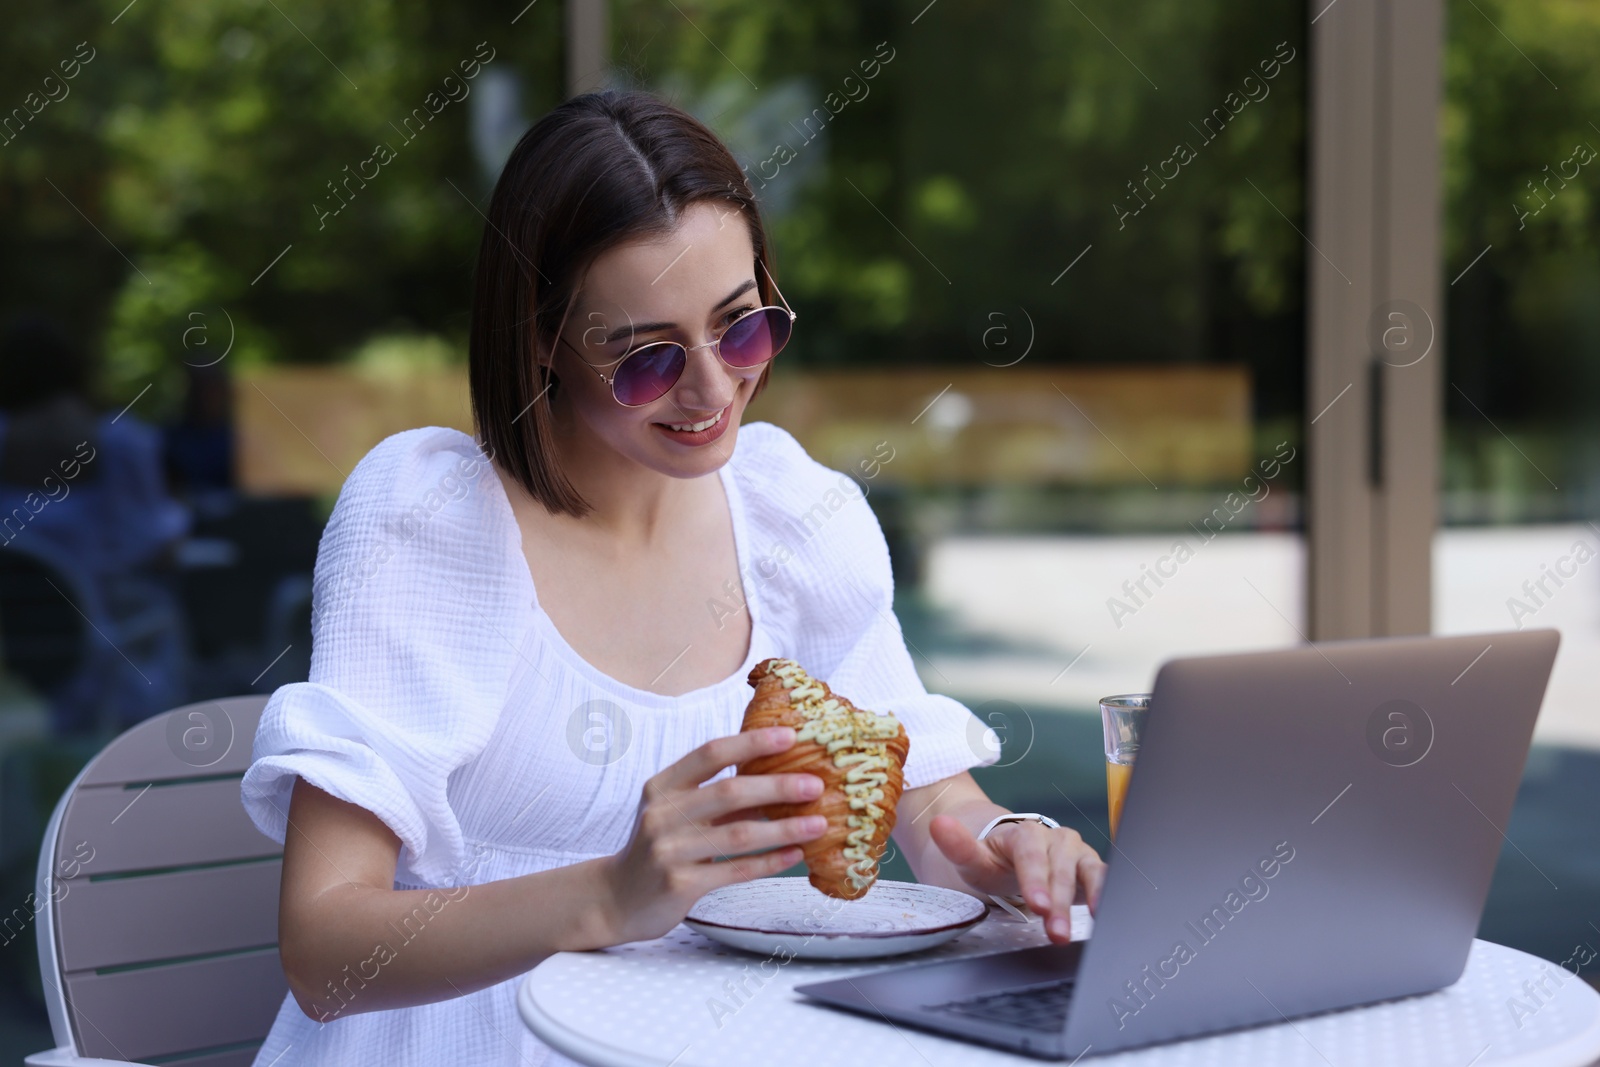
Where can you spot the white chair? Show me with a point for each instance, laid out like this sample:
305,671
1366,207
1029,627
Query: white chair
157,899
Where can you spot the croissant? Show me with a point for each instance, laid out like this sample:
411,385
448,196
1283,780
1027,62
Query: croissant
860,757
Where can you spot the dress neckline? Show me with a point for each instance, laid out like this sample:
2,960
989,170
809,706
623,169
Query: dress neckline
647,697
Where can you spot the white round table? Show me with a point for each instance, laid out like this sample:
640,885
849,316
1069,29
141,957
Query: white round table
686,1001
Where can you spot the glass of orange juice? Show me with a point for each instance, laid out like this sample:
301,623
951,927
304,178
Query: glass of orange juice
1122,718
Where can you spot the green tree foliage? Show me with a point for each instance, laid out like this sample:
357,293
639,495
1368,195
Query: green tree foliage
990,146
1522,111
996,145
200,141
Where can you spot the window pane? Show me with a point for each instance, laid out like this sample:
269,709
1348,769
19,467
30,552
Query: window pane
1050,284
1522,463
1521,471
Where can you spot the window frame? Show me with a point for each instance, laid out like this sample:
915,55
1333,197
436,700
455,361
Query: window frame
1373,425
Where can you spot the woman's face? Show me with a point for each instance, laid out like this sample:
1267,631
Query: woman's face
686,288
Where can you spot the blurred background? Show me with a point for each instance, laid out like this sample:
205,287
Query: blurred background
1056,261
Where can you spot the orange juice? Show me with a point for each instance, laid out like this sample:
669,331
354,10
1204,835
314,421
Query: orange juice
1117,775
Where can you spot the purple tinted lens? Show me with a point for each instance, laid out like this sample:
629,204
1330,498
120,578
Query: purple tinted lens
649,373
756,338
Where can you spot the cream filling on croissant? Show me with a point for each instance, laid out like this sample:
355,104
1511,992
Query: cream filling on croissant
856,740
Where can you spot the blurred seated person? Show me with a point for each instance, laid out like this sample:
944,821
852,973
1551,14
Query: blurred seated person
199,445
86,490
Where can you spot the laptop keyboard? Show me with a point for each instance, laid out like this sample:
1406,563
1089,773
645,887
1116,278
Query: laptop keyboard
1040,1007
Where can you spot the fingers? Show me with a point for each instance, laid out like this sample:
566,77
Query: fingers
959,844
685,843
749,835
711,757
747,791
748,868
1072,863
1047,867
988,865
1092,873
735,816
1064,858
1030,858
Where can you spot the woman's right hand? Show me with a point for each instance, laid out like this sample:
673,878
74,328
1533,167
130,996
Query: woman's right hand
688,840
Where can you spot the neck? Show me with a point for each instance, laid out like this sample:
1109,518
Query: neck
632,506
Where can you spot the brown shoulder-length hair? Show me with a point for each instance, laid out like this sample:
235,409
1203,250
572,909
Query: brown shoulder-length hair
602,169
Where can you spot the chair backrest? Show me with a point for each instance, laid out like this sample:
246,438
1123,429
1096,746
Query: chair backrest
158,935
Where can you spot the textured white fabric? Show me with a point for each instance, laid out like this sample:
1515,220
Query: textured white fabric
443,699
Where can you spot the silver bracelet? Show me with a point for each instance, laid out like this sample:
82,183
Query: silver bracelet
1017,816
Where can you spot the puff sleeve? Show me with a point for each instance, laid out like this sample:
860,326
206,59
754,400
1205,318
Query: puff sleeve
846,631
420,600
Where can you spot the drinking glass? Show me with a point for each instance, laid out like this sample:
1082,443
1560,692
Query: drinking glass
1122,719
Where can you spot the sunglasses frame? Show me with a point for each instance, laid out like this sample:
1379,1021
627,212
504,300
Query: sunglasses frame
715,343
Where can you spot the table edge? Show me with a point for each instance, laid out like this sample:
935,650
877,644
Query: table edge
1581,1050
574,1045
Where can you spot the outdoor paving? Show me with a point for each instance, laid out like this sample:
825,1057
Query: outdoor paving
1026,618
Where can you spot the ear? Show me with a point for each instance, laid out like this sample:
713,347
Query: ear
543,354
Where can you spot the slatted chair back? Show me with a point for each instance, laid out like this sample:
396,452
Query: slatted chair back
158,931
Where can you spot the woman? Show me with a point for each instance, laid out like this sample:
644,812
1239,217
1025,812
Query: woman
531,654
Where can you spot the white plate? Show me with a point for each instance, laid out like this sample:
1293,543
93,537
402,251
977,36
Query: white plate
788,916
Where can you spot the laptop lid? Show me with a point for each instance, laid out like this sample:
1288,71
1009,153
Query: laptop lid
1307,829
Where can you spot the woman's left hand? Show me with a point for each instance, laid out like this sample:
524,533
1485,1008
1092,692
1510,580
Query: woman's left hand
1045,867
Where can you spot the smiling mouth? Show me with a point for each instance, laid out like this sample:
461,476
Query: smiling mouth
692,427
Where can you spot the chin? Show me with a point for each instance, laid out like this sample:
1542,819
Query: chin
682,461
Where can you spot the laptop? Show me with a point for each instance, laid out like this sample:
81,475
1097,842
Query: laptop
1304,830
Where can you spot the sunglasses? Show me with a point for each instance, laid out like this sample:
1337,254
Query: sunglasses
647,373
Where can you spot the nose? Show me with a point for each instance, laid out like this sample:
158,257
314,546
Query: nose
708,384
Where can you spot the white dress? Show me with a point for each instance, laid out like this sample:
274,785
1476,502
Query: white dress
443,699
